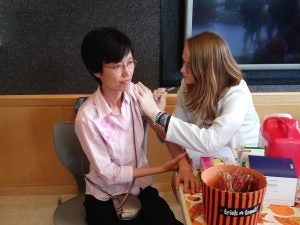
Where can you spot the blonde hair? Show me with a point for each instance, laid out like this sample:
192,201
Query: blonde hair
214,70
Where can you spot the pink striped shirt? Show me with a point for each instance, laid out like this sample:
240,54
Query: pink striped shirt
107,140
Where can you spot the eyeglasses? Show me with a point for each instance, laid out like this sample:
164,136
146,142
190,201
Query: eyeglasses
119,68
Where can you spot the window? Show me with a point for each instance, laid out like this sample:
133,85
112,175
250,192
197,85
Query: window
268,51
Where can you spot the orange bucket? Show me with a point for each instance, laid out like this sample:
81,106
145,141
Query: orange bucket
231,208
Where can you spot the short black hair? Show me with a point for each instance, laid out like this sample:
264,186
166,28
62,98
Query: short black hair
104,45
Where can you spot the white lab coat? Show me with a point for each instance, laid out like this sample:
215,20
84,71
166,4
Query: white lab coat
237,124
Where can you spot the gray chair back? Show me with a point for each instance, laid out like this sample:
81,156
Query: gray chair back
70,153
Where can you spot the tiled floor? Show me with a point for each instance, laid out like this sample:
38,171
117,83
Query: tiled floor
38,209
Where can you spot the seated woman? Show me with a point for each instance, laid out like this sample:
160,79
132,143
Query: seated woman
110,129
214,113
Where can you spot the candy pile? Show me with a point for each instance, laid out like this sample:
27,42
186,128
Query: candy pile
237,181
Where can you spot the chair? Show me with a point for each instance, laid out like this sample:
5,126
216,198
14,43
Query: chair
70,153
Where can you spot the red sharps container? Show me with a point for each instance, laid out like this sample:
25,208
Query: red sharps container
281,138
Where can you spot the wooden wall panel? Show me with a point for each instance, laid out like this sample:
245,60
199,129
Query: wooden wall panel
282,102
28,162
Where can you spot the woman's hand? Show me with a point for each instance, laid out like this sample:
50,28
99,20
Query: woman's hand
152,170
160,97
191,184
172,164
146,100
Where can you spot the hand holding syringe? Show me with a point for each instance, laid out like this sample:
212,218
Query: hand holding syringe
160,96
170,89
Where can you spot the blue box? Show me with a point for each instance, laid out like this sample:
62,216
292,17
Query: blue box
281,176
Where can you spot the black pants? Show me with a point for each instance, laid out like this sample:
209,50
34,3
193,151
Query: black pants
155,211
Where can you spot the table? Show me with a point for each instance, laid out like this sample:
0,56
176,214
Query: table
192,208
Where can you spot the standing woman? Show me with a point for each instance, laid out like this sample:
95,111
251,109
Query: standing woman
110,129
214,113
